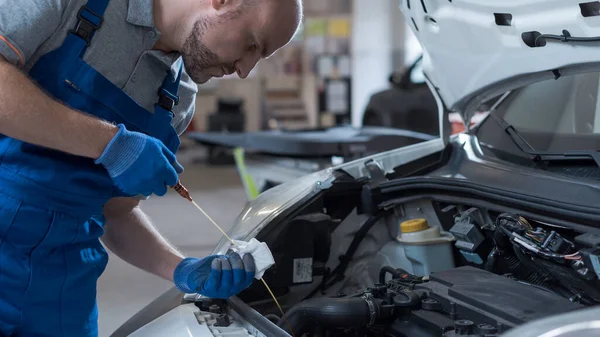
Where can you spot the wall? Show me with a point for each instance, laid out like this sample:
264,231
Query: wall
399,33
377,50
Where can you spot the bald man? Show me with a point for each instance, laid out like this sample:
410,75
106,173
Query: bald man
93,97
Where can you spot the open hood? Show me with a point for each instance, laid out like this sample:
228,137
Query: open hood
473,47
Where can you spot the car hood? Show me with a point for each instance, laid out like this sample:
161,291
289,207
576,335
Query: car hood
472,48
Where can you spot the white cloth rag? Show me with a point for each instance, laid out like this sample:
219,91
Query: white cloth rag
263,258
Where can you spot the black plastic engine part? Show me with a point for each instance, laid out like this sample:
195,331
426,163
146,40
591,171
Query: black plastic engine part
388,270
487,298
399,274
463,327
559,279
213,305
462,302
557,243
468,237
214,309
430,304
524,268
422,323
407,299
485,329
344,195
223,320
300,249
344,313
470,302
589,240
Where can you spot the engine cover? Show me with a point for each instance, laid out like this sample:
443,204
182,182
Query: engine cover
472,302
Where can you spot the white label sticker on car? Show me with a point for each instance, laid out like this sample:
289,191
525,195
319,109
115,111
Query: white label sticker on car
303,270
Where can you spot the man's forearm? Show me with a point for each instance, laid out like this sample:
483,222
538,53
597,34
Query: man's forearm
28,114
130,235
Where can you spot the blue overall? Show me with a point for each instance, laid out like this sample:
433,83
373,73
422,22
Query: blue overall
51,202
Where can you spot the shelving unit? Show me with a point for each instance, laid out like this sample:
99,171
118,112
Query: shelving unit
284,106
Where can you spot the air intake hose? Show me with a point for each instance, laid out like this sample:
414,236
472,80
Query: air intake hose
331,313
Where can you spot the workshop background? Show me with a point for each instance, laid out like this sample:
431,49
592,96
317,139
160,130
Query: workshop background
346,52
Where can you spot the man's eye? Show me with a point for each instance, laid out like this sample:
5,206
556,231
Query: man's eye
253,47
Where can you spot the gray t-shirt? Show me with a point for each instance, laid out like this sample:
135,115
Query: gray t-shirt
121,50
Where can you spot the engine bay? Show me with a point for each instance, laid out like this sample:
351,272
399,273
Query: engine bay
422,268
464,301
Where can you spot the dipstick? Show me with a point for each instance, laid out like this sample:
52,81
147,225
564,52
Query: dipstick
214,223
278,306
179,188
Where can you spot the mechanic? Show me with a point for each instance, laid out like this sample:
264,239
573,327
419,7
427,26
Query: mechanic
93,97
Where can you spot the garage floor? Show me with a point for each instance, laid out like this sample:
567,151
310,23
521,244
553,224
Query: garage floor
123,289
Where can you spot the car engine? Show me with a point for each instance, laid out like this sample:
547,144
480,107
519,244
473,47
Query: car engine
341,272
465,301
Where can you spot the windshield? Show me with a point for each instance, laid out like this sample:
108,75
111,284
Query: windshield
551,116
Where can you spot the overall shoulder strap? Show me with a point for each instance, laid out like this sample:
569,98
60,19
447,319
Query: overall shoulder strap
168,94
89,19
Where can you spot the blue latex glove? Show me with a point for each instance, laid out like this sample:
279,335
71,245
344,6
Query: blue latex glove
139,164
215,276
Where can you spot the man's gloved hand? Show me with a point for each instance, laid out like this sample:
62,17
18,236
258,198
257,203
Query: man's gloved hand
139,164
215,276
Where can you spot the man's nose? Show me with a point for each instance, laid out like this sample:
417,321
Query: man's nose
246,65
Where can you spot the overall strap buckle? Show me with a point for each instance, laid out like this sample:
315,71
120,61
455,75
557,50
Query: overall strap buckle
166,100
88,23
168,96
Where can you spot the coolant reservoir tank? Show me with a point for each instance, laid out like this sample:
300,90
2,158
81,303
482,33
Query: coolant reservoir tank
420,249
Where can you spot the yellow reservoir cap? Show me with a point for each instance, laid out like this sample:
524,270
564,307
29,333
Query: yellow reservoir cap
414,225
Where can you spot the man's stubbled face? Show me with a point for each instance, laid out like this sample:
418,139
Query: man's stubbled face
200,62
236,39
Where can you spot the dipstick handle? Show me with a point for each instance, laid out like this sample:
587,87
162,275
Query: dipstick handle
179,188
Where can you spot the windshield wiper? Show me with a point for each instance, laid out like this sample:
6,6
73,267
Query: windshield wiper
540,41
538,156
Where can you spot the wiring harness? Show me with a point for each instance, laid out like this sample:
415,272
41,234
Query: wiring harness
542,258
538,241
